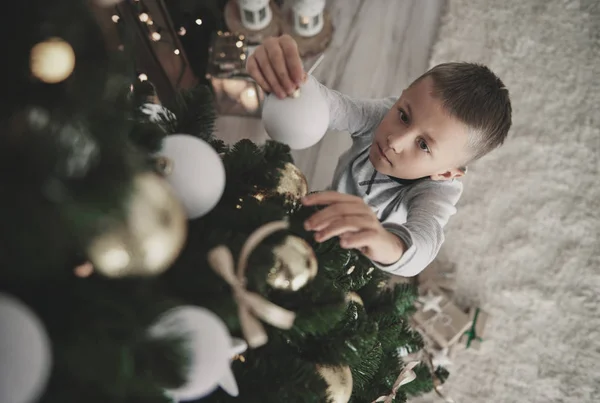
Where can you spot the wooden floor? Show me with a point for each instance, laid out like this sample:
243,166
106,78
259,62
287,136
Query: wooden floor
378,48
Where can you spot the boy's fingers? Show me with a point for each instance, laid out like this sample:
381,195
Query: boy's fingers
292,57
343,225
264,64
321,218
256,74
329,197
279,65
357,240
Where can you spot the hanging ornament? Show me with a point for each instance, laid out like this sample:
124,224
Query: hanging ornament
198,173
301,121
354,297
52,61
339,382
150,239
25,351
292,182
211,350
251,307
295,264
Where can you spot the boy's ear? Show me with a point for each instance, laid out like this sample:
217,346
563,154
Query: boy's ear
450,174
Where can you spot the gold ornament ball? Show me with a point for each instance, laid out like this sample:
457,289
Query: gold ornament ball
295,264
354,297
339,382
152,236
52,61
292,182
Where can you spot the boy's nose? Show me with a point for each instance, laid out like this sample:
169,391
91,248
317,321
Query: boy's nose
397,142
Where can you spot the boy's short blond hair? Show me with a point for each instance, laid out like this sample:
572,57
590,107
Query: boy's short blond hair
473,94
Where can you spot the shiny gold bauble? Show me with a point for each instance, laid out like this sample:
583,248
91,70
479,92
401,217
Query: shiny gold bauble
295,264
339,382
292,182
354,297
150,239
52,61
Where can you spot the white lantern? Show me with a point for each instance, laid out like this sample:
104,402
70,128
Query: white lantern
308,17
255,14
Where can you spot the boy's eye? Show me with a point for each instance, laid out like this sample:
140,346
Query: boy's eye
403,116
423,145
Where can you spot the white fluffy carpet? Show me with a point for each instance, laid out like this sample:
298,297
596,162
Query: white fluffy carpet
526,239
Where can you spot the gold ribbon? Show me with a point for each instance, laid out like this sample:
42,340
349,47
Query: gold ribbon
251,306
406,376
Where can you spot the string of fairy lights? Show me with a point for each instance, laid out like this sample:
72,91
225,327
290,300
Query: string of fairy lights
155,32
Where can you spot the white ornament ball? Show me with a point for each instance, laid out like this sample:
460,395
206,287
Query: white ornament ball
300,122
52,61
25,353
211,350
198,174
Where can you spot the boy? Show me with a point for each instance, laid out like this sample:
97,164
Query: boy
394,190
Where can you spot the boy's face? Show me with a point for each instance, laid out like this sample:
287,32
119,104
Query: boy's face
418,138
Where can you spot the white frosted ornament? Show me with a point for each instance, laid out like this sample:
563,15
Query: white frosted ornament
301,121
197,174
25,353
211,349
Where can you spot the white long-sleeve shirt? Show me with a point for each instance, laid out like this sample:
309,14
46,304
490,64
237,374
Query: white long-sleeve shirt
414,210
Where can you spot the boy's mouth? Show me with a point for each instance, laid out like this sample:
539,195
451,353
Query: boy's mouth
380,150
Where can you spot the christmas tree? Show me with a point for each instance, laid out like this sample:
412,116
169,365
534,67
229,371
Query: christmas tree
139,264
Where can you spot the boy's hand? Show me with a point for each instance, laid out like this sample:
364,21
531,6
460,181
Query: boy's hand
276,66
350,218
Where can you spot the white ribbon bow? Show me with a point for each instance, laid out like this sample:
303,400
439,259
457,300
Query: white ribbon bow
406,376
251,306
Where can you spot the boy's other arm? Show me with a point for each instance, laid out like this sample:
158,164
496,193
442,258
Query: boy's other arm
354,115
429,210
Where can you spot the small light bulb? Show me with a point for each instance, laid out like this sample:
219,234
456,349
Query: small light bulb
143,77
242,37
198,21
243,56
182,31
176,51
144,17
156,36
121,47
239,44
115,18
150,22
